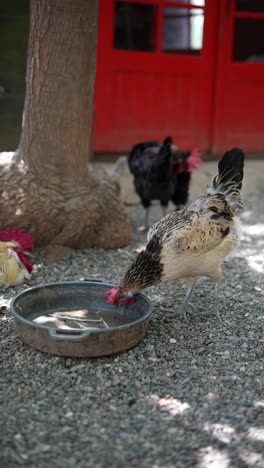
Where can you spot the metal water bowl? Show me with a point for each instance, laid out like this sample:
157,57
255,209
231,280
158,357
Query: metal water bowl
74,319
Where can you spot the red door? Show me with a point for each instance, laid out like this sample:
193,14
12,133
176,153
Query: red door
155,72
240,76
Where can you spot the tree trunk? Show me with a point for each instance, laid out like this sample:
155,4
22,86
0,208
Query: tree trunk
47,185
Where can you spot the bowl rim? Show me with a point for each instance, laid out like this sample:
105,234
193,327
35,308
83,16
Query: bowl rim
20,318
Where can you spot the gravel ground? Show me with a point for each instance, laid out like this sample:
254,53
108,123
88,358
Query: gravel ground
190,394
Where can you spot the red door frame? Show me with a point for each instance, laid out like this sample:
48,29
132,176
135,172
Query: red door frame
228,73
110,61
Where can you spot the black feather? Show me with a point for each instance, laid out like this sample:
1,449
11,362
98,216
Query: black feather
225,231
154,246
228,182
231,166
181,188
155,178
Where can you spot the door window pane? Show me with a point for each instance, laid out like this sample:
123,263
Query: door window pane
250,5
135,26
183,30
249,40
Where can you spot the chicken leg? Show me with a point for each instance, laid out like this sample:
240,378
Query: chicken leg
146,225
215,306
183,307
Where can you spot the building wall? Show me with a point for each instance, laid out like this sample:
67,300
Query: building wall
236,107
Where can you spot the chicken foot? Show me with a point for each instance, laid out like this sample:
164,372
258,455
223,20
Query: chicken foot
183,307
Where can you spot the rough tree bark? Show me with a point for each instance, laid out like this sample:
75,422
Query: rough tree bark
46,185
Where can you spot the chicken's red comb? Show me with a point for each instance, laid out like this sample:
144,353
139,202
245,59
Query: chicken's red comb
19,235
112,298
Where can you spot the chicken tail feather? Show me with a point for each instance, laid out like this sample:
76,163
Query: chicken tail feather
229,178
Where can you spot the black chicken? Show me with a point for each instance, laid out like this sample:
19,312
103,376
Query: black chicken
162,172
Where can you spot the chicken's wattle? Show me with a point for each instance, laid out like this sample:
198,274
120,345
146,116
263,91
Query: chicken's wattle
192,163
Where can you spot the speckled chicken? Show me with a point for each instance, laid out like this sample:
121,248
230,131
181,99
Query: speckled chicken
191,243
